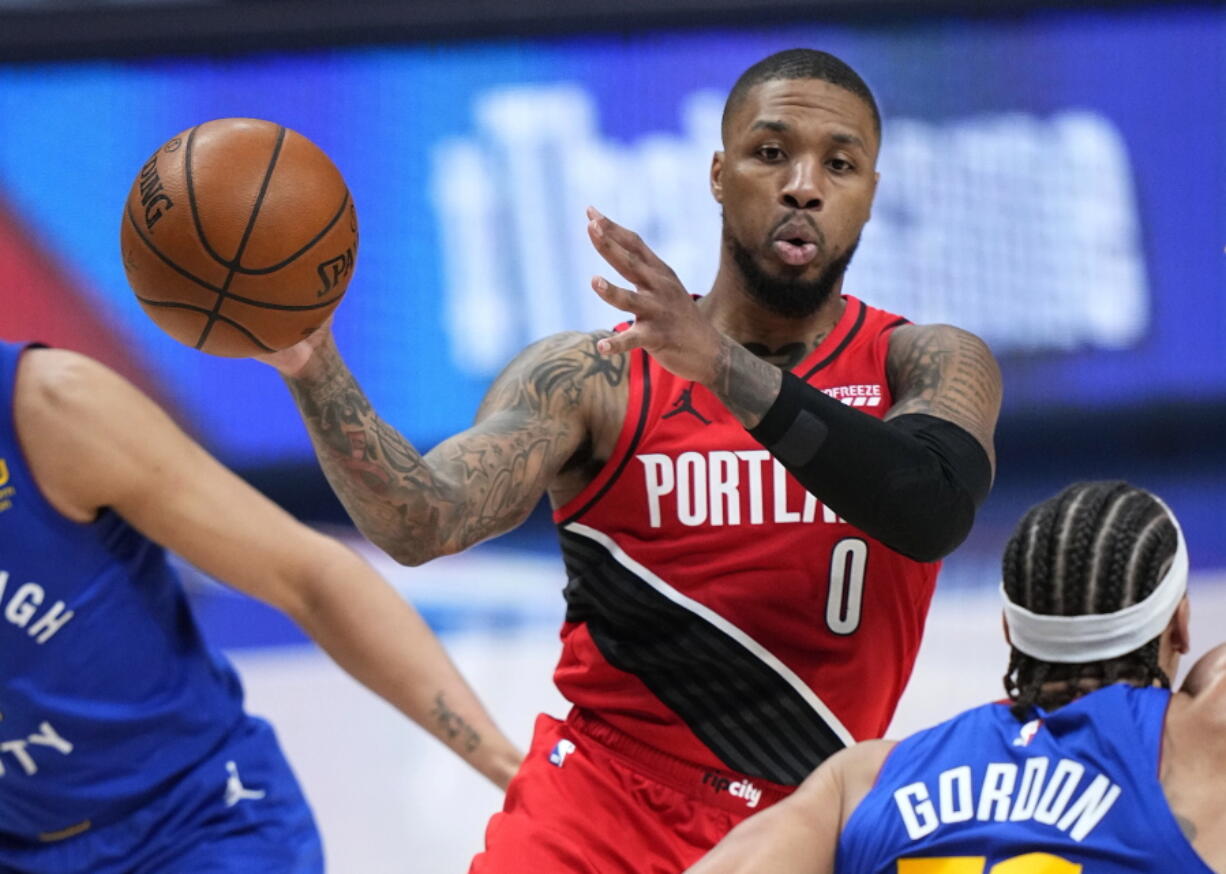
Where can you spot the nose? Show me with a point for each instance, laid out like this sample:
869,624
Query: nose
802,190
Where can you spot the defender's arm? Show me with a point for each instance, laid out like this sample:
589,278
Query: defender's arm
94,441
800,835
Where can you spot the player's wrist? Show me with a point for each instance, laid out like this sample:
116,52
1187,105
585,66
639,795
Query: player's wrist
309,361
716,359
745,384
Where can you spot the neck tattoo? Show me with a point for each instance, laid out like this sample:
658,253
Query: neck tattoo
786,356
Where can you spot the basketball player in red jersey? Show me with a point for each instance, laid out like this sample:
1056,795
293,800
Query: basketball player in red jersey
753,492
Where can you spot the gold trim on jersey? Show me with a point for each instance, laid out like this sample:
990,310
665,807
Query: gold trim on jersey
64,833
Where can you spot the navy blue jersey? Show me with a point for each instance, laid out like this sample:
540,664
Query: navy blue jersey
1073,791
108,692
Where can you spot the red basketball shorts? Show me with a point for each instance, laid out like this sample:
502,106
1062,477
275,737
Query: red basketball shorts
588,799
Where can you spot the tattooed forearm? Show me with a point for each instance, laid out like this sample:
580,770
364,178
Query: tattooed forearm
452,728
473,486
364,459
946,372
746,384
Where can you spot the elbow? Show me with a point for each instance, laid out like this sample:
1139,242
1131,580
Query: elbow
413,550
416,547
410,559
926,535
931,550
408,554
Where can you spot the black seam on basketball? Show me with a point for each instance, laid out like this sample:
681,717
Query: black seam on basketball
251,219
165,259
233,264
191,200
855,329
176,305
259,304
258,271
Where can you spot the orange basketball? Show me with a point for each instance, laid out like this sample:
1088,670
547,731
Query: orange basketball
239,236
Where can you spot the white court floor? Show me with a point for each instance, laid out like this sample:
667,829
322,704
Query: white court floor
389,798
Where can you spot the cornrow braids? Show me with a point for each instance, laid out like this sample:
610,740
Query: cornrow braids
1097,547
801,64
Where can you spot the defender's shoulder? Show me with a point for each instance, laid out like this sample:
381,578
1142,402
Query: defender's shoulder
55,383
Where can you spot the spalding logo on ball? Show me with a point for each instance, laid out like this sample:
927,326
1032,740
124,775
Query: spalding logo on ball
239,237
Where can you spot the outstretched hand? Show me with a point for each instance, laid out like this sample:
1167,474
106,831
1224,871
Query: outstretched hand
667,322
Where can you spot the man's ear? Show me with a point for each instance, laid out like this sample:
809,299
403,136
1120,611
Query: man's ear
717,172
1181,635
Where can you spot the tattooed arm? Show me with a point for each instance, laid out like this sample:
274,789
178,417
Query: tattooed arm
938,370
472,486
943,371
914,481
746,383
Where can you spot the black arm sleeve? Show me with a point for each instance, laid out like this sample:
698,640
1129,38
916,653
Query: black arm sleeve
914,482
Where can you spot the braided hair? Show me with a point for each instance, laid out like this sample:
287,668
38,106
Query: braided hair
1097,547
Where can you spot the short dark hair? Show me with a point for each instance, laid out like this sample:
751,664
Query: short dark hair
801,64
1097,547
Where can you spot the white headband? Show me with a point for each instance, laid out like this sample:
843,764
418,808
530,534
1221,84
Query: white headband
1092,638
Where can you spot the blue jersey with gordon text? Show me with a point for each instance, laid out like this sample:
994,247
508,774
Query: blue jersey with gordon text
107,691
1072,791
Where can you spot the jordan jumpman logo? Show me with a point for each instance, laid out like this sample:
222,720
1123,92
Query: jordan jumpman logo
685,404
235,790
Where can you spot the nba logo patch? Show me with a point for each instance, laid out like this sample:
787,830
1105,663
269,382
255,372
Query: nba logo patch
1027,733
561,750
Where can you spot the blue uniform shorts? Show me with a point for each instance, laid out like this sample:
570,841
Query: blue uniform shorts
238,811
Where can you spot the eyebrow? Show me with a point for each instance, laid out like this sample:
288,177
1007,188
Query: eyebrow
849,140
781,127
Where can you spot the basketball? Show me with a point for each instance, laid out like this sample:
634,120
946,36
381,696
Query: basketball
239,237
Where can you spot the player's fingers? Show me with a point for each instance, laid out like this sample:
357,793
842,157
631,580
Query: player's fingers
619,343
635,250
625,262
614,295
629,241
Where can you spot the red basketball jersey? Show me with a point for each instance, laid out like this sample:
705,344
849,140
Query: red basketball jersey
715,609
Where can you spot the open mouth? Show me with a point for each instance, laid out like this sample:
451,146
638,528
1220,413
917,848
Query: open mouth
794,251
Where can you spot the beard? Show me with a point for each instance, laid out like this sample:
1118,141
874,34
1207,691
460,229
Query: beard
788,296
